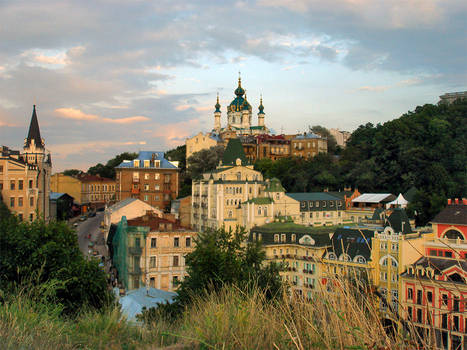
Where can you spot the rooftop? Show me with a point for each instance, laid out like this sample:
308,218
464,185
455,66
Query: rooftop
374,198
454,213
313,196
151,156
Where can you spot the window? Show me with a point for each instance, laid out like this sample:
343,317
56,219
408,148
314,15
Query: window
175,260
20,201
1,185
157,176
283,237
444,321
136,163
31,217
137,242
419,297
444,299
1,168
20,184
146,197
12,202
20,216
146,187
176,241
276,238
294,237
455,323
157,197
12,184
153,242
455,303
167,178
152,262
410,293
157,187
174,280
429,296
188,242
419,316
166,197
146,176
409,313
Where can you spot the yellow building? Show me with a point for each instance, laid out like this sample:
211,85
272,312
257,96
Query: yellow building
25,176
86,189
201,141
299,248
150,251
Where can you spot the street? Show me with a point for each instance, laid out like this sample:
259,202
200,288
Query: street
90,227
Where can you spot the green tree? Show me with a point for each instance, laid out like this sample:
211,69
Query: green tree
108,170
323,132
221,259
49,252
204,160
72,172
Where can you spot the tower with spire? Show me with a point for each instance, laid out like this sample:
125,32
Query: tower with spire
239,115
34,153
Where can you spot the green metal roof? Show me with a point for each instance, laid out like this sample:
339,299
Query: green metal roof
313,196
233,151
275,186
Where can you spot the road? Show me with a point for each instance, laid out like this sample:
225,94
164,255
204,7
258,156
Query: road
89,227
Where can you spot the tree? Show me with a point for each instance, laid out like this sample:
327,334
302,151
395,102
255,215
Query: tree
323,132
223,259
71,172
179,154
108,170
49,252
204,161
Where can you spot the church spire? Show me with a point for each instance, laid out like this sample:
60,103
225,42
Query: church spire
34,132
217,105
261,107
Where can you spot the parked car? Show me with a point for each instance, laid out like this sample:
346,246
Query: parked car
91,215
82,218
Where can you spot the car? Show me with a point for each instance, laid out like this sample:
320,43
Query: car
91,215
82,218
75,224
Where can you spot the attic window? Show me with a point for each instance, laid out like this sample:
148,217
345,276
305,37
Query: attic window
157,163
146,163
136,163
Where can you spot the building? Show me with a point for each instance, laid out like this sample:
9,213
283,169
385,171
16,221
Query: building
320,208
239,115
308,145
299,248
341,136
25,176
450,97
363,206
267,146
201,141
434,288
129,208
61,206
181,209
150,178
150,250
87,190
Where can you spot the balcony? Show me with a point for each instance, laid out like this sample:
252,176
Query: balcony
135,191
135,250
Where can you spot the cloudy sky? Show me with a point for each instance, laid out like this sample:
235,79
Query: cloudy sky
109,76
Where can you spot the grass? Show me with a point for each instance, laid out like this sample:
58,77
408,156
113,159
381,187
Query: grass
344,318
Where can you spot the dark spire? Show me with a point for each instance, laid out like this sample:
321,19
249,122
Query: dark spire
34,132
261,107
217,105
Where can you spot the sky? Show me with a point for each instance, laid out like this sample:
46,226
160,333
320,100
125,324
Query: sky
110,76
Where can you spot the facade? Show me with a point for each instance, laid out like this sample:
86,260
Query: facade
450,97
201,141
86,189
340,136
61,206
150,178
181,209
150,250
25,176
299,248
320,209
308,145
434,288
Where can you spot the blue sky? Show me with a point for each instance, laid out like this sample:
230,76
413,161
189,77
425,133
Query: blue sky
113,76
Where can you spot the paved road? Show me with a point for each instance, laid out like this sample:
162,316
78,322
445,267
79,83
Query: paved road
90,226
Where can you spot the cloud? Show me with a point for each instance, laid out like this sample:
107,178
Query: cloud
76,114
373,88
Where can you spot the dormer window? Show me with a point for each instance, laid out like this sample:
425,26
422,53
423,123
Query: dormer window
157,164
136,163
146,163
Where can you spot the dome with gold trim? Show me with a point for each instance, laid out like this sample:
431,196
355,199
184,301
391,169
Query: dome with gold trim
239,103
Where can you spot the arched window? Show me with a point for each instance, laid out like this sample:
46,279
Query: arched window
276,238
331,256
230,214
385,260
453,234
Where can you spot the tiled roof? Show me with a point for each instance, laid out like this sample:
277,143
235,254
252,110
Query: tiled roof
438,264
148,155
455,214
122,203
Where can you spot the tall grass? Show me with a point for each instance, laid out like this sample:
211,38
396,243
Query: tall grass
345,318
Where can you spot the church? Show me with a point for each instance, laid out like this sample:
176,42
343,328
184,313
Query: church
239,115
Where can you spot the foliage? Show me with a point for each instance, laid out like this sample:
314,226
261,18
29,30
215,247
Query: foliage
222,258
179,154
50,253
108,170
204,160
323,132
425,149
71,172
